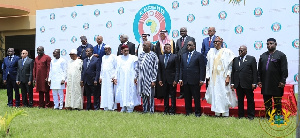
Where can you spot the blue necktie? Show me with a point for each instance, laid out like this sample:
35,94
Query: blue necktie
166,59
189,57
88,62
23,62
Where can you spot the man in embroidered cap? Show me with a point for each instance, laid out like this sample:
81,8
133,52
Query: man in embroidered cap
107,75
126,93
272,74
74,95
81,49
139,50
124,41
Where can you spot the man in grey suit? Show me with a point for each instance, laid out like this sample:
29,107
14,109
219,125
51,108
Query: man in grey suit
24,78
181,48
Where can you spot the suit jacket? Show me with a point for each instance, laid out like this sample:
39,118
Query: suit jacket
244,74
181,50
205,46
131,47
91,73
101,51
81,51
10,67
194,72
169,73
24,73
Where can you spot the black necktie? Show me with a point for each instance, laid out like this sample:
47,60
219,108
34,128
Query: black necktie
9,59
166,59
241,60
88,62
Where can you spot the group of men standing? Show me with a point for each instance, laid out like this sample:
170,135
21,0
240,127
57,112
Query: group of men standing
137,73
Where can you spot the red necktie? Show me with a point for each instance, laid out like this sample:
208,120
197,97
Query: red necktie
182,42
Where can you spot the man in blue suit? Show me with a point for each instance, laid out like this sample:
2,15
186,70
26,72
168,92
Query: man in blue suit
99,48
89,78
10,66
192,75
208,42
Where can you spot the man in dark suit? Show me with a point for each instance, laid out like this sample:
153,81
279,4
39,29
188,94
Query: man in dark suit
244,79
168,66
99,48
124,41
24,78
181,48
82,48
89,78
192,75
10,65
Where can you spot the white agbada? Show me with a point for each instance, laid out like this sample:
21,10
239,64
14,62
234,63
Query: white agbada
74,95
126,92
57,73
107,73
219,65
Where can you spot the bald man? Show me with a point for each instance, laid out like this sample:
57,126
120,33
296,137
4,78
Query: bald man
244,79
99,48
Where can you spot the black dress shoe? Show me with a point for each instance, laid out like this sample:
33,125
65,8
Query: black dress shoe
172,113
251,118
180,97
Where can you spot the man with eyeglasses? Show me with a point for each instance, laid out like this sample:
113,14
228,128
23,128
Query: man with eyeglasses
192,75
218,72
24,78
82,48
139,49
10,65
272,74
244,79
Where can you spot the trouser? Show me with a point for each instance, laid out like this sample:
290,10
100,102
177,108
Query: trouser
148,101
268,104
97,94
241,92
12,85
27,89
189,91
89,89
58,103
169,89
44,102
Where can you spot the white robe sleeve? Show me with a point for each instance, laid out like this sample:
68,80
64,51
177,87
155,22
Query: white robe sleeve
50,72
64,70
101,71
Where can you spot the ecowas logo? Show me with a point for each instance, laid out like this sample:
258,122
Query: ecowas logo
296,43
52,16
96,12
52,40
239,29
73,14
204,2
73,39
175,33
175,5
150,19
86,26
95,38
191,18
276,27
224,45
258,12
42,29
121,10
296,77
222,15
63,52
258,45
205,31
63,28
109,24
295,8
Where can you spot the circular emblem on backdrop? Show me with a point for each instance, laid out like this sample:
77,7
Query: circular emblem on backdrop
258,12
63,52
296,43
63,28
296,77
175,5
109,24
204,2
190,18
52,16
295,8
96,12
224,45
276,27
205,31
95,38
121,10
150,19
86,26
42,29
73,14
52,40
258,45
222,15
239,29
73,39
175,33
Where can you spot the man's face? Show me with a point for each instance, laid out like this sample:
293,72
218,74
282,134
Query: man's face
56,54
271,45
107,50
99,40
88,52
190,46
146,46
145,38
10,52
183,32
83,42
24,54
73,56
217,43
167,49
40,51
125,51
211,31
242,51
162,36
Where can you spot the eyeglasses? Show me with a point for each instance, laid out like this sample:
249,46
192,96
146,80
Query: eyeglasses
216,41
190,45
211,31
241,50
125,50
270,43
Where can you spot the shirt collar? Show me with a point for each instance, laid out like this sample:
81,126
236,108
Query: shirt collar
25,58
90,57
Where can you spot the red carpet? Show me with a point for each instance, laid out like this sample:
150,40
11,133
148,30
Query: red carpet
288,102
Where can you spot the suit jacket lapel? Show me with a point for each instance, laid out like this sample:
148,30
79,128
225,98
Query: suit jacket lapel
242,65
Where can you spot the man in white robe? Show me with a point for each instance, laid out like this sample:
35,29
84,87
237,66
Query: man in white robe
146,72
126,93
107,74
74,93
57,77
218,72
